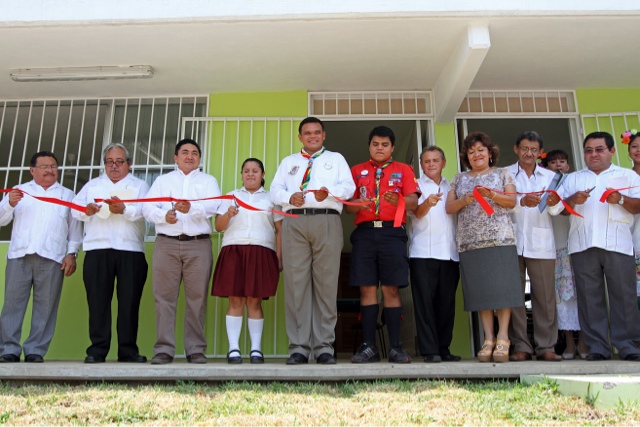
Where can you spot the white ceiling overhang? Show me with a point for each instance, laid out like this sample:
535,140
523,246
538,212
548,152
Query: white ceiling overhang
408,50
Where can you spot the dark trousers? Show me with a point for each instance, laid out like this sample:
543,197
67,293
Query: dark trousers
102,267
433,287
590,269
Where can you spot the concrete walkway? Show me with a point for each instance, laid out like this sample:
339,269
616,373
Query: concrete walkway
276,370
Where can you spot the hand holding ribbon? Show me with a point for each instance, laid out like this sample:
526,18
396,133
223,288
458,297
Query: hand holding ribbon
53,200
609,191
489,210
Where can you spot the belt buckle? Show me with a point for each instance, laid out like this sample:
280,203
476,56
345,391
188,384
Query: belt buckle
377,224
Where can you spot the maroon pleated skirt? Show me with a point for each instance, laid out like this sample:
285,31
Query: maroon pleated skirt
246,271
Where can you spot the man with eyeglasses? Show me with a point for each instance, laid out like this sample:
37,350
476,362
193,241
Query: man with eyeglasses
601,247
44,242
114,251
536,254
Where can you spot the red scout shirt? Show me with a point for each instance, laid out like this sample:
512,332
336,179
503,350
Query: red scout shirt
397,177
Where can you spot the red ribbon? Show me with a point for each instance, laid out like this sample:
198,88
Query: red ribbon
608,192
397,221
52,200
400,209
173,199
489,210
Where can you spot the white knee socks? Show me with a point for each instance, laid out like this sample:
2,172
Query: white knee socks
255,332
234,327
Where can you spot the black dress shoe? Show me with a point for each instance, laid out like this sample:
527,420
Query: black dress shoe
236,359
94,359
633,357
297,359
134,358
256,357
9,358
33,358
595,357
450,358
326,359
432,358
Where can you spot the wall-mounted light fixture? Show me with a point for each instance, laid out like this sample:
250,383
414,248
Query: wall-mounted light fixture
81,73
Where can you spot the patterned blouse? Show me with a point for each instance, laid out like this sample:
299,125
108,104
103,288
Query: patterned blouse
477,230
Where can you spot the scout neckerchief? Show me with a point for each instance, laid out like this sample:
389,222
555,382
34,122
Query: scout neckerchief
378,177
307,174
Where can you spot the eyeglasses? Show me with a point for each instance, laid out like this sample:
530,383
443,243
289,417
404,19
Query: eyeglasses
598,150
529,150
47,167
118,162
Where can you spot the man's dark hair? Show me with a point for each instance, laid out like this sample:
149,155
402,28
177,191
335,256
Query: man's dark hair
531,136
382,131
310,120
608,139
34,158
187,141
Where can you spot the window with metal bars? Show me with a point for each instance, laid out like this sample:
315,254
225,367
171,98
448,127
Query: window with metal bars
77,131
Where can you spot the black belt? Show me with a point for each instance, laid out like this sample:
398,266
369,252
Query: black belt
187,238
377,224
313,211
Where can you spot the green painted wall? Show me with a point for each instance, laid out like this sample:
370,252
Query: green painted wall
592,101
445,138
71,338
230,143
604,101
265,104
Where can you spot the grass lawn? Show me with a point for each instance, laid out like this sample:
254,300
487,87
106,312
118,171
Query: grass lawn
393,402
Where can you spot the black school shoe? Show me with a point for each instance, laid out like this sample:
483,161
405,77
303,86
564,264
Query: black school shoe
256,357
366,354
236,359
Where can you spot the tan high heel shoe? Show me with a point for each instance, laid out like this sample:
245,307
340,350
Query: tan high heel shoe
501,352
485,353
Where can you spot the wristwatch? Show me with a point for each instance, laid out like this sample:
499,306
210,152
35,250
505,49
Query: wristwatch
621,201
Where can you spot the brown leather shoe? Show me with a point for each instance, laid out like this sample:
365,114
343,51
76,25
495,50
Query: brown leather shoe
196,358
549,356
160,359
520,356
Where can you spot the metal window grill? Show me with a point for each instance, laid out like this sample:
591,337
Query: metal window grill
77,130
486,103
231,140
370,104
615,124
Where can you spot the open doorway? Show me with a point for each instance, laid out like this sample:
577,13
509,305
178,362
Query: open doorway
350,138
557,133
